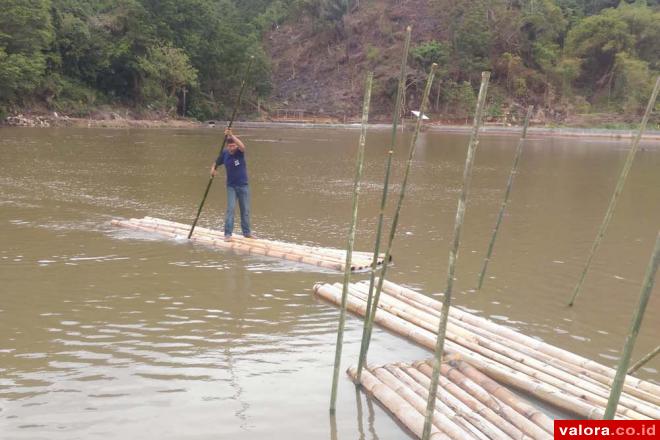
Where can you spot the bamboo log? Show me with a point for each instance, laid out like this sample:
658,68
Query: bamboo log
250,246
527,411
329,254
500,215
617,190
506,375
369,319
396,405
351,239
381,215
545,372
632,400
592,368
453,254
336,253
640,363
481,416
445,419
629,345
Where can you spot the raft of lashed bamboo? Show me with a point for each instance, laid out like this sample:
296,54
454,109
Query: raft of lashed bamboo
324,257
469,405
558,377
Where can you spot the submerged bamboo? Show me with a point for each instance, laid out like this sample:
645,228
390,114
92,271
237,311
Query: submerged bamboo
383,201
369,319
500,216
640,363
351,238
647,287
617,191
460,213
224,141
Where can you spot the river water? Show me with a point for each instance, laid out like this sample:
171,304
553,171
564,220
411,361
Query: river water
113,334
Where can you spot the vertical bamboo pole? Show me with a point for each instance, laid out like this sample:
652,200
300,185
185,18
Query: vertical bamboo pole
351,239
381,215
640,363
620,377
617,190
458,224
500,216
395,220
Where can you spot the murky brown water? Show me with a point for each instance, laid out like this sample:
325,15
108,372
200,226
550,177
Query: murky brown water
112,334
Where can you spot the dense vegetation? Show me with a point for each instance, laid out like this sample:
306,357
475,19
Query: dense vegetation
175,56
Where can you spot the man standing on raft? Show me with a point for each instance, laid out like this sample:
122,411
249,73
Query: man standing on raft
233,158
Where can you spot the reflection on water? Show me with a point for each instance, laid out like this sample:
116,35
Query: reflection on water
117,334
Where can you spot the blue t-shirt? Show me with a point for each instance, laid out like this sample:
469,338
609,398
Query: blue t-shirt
235,166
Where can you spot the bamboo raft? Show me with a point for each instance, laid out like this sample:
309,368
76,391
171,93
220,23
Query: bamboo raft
558,377
469,404
324,257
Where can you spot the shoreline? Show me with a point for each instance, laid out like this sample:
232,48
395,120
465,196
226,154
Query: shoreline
123,123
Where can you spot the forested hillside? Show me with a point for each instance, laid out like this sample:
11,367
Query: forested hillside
168,57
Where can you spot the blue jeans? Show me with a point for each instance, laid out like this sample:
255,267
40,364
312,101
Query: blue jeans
242,193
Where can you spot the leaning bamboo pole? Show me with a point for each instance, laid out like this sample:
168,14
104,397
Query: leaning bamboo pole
500,215
617,191
351,239
369,320
644,360
395,404
624,362
383,201
460,213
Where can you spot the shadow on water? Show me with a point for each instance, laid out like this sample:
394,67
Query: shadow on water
371,417
237,283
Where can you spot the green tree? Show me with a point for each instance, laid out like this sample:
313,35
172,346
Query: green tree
25,32
166,70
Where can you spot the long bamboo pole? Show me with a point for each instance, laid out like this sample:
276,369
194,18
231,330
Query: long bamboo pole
383,201
643,361
460,213
351,239
617,191
624,362
500,216
395,220
224,141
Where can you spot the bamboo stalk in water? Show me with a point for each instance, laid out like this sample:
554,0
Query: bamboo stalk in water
647,287
643,361
395,220
460,213
383,201
500,216
351,239
617,190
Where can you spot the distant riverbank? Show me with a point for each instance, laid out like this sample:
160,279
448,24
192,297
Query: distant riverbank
114,120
